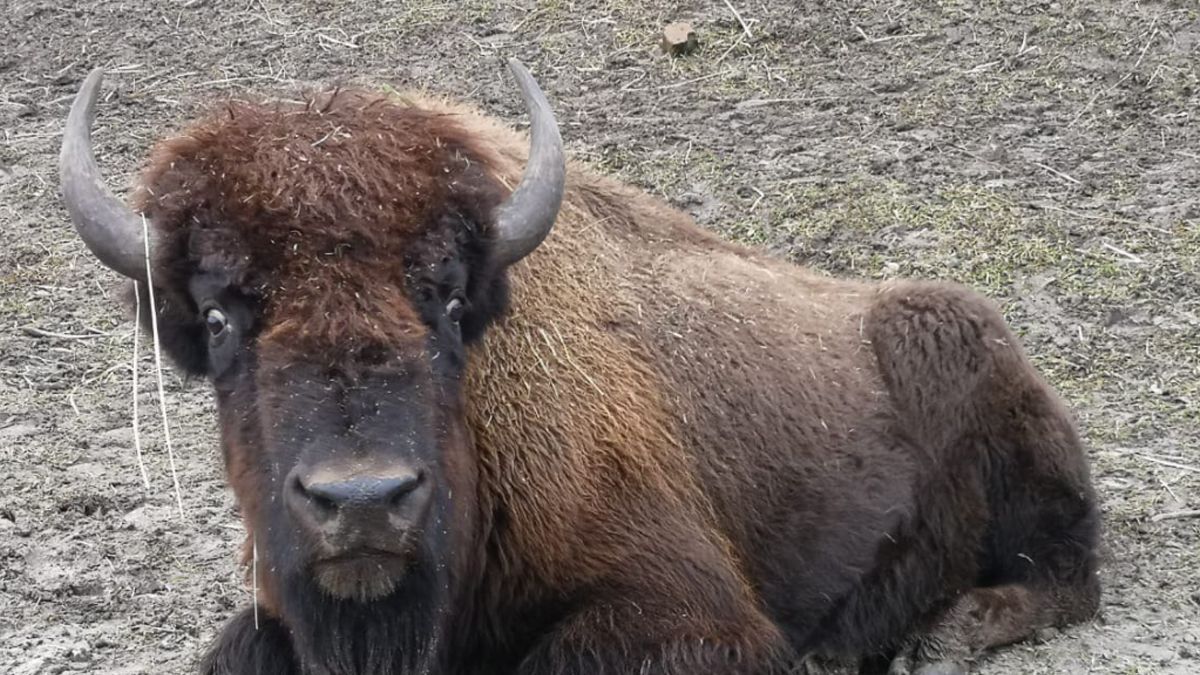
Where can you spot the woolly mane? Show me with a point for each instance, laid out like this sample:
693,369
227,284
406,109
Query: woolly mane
333,196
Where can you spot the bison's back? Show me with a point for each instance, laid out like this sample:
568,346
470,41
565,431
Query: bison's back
644,361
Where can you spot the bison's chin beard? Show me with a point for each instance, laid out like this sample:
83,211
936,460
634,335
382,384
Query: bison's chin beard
362,576
368,614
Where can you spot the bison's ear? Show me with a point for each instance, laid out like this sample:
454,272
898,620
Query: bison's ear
525,218
111,230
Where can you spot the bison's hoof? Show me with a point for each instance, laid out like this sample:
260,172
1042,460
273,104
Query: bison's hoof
927,655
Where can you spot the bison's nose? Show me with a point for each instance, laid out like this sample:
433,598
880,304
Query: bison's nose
369,491
325,497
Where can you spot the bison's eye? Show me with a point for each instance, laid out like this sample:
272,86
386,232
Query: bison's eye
222,345
216,322
454,309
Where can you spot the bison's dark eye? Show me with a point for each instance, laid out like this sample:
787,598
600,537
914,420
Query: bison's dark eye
216,322
223,335
454,309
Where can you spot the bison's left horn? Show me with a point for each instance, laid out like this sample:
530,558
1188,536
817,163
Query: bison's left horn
525,218
110,229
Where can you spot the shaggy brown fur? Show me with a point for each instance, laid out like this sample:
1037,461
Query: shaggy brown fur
676,455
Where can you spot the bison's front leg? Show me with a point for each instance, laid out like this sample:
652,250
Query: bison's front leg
641,638
993,617
244,648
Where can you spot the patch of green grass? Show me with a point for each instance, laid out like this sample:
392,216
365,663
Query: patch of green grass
964,234
662,173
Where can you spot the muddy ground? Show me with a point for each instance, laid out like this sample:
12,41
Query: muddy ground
1046,152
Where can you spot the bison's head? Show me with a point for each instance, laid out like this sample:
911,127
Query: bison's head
324,263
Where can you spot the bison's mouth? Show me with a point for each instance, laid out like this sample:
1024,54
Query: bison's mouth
363,574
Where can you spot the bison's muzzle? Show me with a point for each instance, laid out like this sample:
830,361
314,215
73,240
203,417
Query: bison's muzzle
362,521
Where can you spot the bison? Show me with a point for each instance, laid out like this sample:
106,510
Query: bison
486,411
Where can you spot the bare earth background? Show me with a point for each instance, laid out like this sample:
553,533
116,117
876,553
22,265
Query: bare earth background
1046,152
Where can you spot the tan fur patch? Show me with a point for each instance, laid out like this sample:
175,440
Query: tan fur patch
567,416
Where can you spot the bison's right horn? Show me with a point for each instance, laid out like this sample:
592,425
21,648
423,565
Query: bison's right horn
110,229
525,218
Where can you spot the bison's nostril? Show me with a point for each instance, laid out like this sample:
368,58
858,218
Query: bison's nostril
315,503
322,504
403,487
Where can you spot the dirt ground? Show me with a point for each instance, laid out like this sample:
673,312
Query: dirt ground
1045,152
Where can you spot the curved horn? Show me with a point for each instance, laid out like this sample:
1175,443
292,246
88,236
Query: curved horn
525,218
110,229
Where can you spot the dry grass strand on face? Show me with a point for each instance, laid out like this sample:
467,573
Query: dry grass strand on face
137,433
162,396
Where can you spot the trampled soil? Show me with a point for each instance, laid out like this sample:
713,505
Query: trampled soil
1045,152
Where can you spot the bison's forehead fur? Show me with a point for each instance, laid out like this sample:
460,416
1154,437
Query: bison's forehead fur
319,204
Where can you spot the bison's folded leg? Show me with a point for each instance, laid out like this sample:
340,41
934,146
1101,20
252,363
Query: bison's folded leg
989,617
634,637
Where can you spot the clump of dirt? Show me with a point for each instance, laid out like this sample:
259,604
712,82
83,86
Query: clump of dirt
1044,152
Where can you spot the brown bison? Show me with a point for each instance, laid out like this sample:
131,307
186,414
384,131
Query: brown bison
464,442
